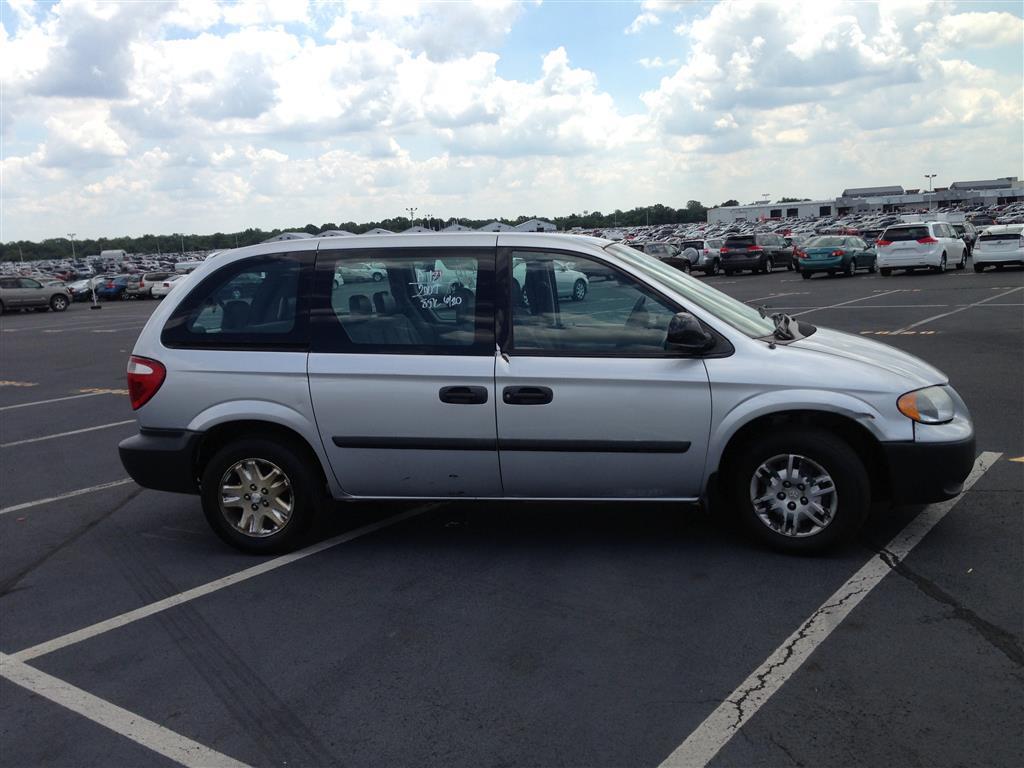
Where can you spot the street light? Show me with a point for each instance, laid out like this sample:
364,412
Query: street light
412,216
71,237
930,176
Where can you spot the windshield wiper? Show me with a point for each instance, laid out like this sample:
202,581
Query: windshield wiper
785,327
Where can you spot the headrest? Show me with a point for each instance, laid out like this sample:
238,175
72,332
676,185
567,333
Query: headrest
359,304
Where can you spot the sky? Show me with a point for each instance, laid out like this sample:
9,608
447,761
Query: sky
194,116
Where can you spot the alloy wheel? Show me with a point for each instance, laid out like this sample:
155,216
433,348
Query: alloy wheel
256,497
793,495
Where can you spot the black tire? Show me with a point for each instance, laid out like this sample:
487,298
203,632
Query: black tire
963,261
59,303
306,492
886,271
789,266
852,487
806,275
979,268
851,268
942,265
769,266
713,269
872,269
579,290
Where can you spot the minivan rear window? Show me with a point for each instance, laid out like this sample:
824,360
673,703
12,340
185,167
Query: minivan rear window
252,303
905,233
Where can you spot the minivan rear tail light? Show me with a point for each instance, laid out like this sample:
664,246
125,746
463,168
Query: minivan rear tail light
926,240
754,248
144,379
882,242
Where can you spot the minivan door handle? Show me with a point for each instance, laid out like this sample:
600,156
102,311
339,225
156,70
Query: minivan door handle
527,395
463,395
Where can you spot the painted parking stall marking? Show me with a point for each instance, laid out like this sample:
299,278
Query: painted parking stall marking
67,434
63,496
701,746
144,732
196,592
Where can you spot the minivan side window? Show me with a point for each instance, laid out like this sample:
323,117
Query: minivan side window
404,301
568,304
253,303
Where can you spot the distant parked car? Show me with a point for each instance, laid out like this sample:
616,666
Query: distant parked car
141,286
166,286
114,288
29,293
569,283
667,253
707,257
999,245
835,254
759,252
81,290
968,234
931,244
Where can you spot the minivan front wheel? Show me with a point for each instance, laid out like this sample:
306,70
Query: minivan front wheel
799,490
259,496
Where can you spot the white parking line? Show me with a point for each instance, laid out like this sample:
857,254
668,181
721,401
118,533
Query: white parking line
961,309
205,589
851,301
68,495
145,732
52,400
66,434
739,706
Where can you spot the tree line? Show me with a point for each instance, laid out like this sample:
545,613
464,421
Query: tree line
176,243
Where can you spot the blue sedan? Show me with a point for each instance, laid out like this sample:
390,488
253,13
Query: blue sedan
833,254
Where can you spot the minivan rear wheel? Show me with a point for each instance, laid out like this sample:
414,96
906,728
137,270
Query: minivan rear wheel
799,490
259,496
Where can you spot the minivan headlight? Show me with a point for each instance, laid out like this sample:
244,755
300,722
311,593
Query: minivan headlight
931,405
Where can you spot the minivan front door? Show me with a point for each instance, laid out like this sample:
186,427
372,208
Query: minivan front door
590,404
401,371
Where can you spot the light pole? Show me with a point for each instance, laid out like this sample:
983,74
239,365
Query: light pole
412,216
71,237
930,176
429,219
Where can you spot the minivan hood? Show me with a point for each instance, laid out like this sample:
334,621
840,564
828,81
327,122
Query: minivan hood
872,353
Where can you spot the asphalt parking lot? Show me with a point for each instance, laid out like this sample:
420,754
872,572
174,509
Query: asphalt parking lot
472,634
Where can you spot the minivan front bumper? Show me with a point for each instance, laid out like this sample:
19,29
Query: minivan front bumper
162,459
922,473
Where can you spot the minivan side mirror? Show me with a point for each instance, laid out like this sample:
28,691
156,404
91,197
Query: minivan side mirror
686,334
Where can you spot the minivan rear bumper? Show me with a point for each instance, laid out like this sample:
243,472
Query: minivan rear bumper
922,473
162,459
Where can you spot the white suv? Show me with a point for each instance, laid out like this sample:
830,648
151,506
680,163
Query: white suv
999,245
933,244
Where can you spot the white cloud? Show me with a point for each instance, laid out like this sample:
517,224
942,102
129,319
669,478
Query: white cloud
200,116
645,19
981,30
657,63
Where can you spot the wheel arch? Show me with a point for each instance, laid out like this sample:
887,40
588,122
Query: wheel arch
225,422
849,429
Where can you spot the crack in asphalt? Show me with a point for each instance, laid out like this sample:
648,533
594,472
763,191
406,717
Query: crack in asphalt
801,634
782,746
10,584
996,636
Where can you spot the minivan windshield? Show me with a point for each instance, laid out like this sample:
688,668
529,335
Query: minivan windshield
737,314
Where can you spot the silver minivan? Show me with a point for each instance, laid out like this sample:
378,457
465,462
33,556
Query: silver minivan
269,388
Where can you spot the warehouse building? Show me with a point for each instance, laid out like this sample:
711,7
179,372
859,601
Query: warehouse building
884,199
